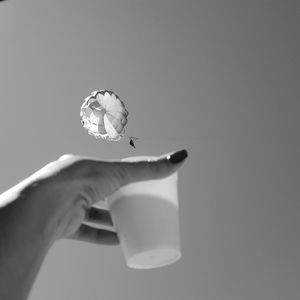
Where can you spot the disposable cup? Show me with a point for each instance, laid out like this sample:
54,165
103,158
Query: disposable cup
145,215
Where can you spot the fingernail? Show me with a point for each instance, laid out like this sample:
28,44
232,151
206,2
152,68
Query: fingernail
178,156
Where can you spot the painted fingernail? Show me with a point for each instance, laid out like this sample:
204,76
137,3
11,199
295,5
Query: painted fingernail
178,156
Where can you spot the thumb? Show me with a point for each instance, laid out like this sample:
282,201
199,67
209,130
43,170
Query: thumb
128,172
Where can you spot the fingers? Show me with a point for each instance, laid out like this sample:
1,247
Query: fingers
94,235
98,216
105,177
128,172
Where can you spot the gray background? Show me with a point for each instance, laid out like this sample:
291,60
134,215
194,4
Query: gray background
220,78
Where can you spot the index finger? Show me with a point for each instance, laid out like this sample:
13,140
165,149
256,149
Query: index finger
116,173
133,171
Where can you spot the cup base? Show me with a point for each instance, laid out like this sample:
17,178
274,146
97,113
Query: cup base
155,258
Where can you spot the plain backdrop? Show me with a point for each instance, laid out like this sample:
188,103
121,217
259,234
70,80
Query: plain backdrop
220,78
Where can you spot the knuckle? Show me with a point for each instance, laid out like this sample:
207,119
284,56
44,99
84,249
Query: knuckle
67,157
80,168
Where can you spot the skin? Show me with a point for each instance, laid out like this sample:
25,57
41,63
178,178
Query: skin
55,203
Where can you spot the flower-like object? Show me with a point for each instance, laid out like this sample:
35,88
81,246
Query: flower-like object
104,115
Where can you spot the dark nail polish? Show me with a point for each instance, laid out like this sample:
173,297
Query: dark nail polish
178,156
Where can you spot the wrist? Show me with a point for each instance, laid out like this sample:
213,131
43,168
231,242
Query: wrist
20,261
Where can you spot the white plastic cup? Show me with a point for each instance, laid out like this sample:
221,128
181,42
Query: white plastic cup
145,215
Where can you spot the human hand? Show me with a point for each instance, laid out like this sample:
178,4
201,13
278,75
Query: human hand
57,201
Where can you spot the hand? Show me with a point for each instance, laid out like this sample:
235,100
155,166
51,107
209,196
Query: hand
56,201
